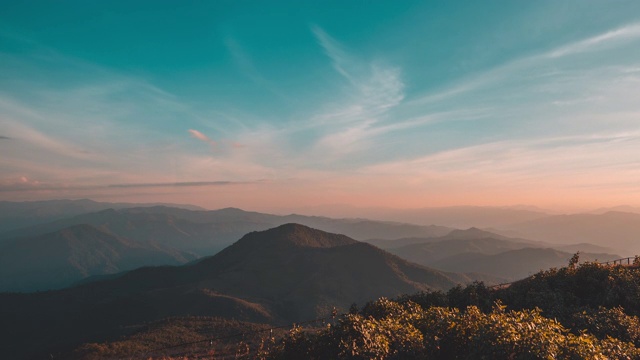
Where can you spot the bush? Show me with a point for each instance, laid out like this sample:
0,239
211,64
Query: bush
392,330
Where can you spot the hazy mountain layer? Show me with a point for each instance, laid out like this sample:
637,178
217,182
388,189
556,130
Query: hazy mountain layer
479,251
513,264
61,258
207,232
451,216
15,215
618,230
289,273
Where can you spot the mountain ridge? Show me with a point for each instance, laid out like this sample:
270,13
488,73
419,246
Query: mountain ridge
283,280
64,257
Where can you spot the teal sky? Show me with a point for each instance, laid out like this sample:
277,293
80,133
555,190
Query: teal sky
281,105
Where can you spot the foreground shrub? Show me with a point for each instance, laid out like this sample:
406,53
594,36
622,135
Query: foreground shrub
391,330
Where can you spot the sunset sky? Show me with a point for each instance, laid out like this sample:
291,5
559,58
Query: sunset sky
269,105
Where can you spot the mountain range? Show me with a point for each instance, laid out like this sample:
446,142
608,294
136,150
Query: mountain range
213,230
61,258
15,215
450,216
614,229
128,265
288,273
479,251
105,242
56,254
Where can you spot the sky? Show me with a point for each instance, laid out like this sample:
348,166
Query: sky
278,105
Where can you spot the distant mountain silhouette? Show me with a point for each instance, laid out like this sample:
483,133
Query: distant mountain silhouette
620,208
618,230
451,216
61,258
514,264
176,231
480,251
585,248
330,270
288,273
456,236
15,215
207,232
157,225
427,253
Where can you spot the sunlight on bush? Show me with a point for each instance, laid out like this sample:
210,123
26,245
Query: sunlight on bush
389,330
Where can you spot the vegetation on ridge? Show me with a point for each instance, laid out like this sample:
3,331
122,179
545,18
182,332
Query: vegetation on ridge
578,312
587,311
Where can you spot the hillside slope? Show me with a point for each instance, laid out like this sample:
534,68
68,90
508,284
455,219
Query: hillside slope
15,215
61,258
513,264
207,232
288,273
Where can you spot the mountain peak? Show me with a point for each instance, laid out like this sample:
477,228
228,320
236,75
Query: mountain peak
296,235
231,210
470,233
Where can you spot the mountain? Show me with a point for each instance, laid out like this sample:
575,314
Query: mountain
428,253
620,208
618,230
454,236
480,251
466,216
585,248
452,216
174,230
160,225
15,215
322,270
61,258
514,264
207,232
289,273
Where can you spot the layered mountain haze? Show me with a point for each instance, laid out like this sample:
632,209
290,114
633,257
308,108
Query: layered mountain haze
288,273
173,173
614,229
181,234
620,208
457,236
61,258
513,264
156,225
451,216
171,236
334,270
207,232
480,251
15,215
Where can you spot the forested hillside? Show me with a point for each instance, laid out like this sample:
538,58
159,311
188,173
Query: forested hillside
587,311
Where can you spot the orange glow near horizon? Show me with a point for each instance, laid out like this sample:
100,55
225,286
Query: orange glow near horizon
359,192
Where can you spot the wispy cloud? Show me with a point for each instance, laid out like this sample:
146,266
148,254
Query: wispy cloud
40,140
200,136
574,159
334,50
248,68
100,127
24,183
565,116
179,184
380,87
598,42
374,90
533,64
